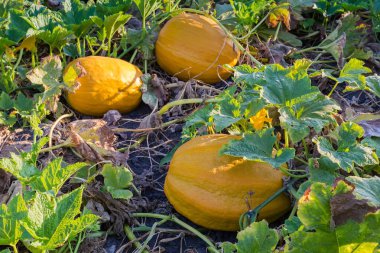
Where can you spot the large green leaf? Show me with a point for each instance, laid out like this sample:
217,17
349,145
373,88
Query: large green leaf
52,221
10,216
259,147
348,151
76,15
286,88
314,113
54,176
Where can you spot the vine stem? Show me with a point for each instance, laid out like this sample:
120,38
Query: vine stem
212,248
15,250
53,127
131,236
286,172
332,90
64,144
168,106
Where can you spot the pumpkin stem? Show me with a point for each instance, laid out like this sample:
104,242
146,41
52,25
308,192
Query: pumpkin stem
250,216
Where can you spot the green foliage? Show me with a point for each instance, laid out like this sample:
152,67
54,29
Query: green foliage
327,225
51,221
259,147
349,151
116,180
10,216
257,238
37,217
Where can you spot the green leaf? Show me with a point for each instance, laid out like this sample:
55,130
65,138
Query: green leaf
367,188
116,179
257,238
292,224
17,27
76,16
373,142
7,120
314,113
18,167
54,176
23,104
286,88
323,170
48,74
314,207
352,74
349,151
373,84
10,216
109,7
114,22
259,147
6,103
53,221
56,38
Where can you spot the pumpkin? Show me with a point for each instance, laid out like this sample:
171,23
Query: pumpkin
213,190
195,46
104,84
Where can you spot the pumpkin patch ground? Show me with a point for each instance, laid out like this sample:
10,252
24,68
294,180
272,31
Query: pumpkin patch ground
189,126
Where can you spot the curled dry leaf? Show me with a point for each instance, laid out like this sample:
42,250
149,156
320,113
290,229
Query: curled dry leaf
151,121
346,206
154,91
112,117
371,127
99,210
94,140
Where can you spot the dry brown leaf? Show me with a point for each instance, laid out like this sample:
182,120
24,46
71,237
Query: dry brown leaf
346,207
94,140
112,117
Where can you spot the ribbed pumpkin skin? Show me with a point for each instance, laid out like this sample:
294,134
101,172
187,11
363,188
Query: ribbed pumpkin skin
191,44
109,84
211,190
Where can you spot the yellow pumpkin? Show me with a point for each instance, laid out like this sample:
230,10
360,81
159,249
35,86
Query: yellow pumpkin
104,84
213,190
195,46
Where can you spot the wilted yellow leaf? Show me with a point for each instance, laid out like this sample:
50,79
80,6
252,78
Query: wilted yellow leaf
279,14
29,44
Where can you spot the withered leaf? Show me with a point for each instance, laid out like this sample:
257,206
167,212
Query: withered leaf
94,140
112,117
346,206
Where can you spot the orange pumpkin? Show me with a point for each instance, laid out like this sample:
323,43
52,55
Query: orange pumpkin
213,190
195,46
104,84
